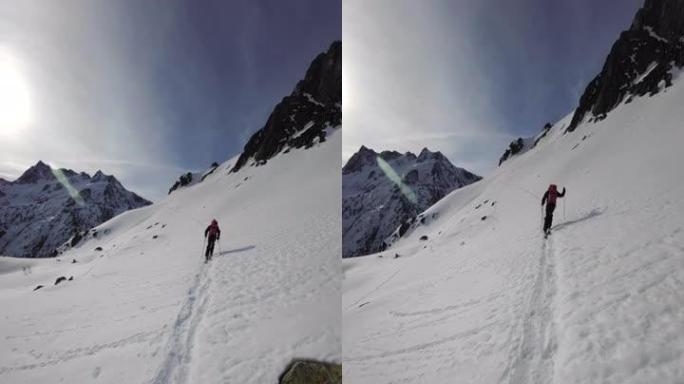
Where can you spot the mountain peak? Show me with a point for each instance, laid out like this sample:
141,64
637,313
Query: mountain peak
426,154
640,62
663,17
364,156
39,171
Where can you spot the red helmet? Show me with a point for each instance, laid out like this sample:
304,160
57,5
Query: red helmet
553,187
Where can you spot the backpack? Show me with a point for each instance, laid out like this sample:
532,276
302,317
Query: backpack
213,230
553,194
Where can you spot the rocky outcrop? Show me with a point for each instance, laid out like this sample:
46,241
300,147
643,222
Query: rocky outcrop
311,372
384,191
46,207
301,119
522,145
640,62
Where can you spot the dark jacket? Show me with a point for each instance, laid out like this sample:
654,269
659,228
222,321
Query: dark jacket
213,231
546,195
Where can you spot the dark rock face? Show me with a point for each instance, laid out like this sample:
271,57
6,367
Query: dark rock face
311,372
640,62
300,119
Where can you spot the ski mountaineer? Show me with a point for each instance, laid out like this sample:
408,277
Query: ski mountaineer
212,233
549,198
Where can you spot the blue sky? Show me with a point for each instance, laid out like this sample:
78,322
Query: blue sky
146,90
468,76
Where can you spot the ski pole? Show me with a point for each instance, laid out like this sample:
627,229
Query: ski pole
564,210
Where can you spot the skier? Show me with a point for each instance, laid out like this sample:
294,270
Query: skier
550,199
212,233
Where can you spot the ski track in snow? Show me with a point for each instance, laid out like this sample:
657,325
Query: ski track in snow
176,364
533,359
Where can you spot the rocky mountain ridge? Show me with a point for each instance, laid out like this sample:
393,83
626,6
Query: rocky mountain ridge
45,207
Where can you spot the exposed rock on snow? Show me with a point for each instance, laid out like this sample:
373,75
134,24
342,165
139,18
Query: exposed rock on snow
522,145
312,372
189,178
45,207
301,119
385,191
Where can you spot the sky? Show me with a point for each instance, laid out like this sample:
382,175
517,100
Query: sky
466,77
148,89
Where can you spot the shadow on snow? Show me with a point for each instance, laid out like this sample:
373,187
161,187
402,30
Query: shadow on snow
594,212
236,250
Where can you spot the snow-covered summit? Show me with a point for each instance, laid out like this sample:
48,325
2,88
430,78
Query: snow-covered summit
381,191
45,207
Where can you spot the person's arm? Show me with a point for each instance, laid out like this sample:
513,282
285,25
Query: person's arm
218,233
206,231
546,194
562,194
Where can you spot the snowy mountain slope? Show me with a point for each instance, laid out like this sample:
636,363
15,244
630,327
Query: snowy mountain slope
487,300
147,309
374,204
45,207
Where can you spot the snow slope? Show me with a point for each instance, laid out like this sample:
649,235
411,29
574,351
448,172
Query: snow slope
147,309
487,300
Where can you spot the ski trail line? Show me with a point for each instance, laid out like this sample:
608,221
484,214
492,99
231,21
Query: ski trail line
176,365
533,361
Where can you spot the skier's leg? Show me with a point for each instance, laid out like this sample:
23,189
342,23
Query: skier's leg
549,216
211,250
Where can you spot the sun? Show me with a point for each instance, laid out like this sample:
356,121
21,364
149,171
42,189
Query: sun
15,108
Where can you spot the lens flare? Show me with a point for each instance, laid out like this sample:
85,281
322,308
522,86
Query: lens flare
73,192
396,179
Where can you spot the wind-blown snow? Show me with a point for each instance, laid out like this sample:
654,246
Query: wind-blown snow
149,310
487,300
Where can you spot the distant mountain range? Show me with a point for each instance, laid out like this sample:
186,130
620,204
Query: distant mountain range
382,191
45,207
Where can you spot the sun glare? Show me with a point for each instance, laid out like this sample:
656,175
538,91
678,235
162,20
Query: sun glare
15,109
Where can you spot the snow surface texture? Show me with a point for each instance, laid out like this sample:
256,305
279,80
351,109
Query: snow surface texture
147,309
381,191
487,300
45,207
